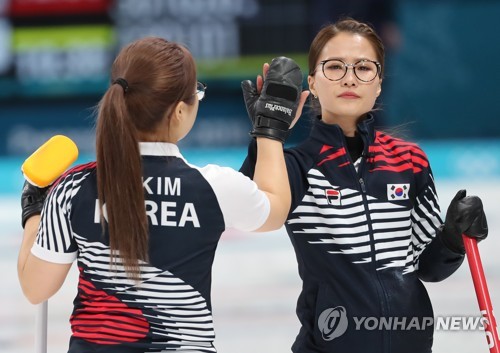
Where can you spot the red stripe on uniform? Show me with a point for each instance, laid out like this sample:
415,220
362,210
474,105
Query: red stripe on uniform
325,148
78,168
340,152
104,319
100,320
396,169
389,140
407,152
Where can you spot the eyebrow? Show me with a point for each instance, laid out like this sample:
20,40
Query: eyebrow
344,59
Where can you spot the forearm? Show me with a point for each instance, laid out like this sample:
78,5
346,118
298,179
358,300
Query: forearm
437,262
443,256
248,166
282,87
30,232
39,279
272,178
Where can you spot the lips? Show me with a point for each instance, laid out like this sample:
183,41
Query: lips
349,95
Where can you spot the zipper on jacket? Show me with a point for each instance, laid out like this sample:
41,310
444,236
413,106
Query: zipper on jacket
380,288
362,184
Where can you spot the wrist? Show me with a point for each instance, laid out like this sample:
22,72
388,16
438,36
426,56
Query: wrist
28,215
271,134
268,141
452,241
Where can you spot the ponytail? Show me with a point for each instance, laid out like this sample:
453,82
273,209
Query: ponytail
119,180
150,76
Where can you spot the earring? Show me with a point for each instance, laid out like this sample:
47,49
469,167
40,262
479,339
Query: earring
315,96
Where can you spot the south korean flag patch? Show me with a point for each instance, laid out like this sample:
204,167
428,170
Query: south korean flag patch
397,192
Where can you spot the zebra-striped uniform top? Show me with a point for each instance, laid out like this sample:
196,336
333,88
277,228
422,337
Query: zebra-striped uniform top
169,307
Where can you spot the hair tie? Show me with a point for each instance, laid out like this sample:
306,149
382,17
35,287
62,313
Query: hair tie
122,82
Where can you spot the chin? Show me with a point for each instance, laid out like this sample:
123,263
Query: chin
347,114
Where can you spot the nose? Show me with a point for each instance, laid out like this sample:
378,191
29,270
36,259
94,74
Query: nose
349,79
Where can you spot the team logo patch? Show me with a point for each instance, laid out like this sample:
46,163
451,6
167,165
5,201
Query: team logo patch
398,191
333,196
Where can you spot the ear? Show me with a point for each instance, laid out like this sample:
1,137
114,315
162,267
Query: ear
379,88
178,113
310,82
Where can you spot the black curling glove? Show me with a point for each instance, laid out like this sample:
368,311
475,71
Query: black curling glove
465,215
273,111
32,199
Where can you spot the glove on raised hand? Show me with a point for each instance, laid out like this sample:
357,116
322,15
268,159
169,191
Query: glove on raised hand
465,215
273,111
32,199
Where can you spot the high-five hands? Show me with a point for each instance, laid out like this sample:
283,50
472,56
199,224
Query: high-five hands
275,102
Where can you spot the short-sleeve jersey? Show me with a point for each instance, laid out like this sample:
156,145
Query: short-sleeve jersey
169,308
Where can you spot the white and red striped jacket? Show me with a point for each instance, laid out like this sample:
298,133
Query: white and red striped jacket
364,233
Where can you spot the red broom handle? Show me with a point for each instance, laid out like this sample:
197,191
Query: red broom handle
482,294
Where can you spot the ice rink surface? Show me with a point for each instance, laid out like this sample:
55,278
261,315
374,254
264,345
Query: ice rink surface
255,287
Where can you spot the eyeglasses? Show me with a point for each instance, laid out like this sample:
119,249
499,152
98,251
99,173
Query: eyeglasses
365,70
200,90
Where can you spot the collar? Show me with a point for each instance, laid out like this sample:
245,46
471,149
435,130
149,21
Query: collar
159,149
332,134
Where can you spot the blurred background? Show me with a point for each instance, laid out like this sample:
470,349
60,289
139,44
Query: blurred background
441,90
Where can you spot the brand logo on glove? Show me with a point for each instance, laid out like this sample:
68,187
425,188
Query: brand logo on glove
274,107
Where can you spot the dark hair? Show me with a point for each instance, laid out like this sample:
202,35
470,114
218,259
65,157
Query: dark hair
159,74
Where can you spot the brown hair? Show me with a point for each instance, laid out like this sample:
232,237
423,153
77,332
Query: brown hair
347,25
159,74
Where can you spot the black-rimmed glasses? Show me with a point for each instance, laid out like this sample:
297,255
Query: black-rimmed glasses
365,70
200,90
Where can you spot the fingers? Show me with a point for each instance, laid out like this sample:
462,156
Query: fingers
260,79
469,206
249,92
460,195
303,98
260,83
478,228
248,87
302,101
265,69
473,202
474,218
